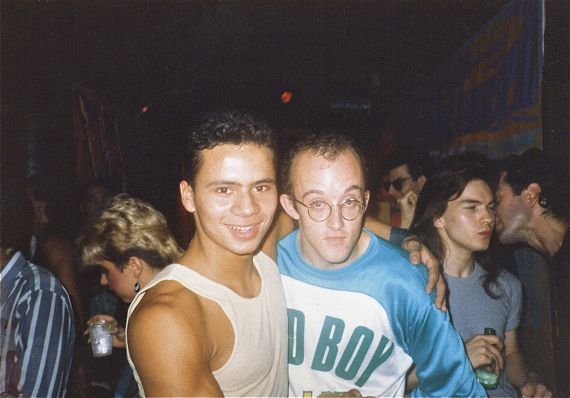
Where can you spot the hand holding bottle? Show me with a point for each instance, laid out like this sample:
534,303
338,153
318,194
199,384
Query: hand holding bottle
485,350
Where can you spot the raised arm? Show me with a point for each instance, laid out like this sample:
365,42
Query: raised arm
167,342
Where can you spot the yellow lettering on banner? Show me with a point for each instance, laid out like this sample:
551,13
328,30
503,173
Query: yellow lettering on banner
492,45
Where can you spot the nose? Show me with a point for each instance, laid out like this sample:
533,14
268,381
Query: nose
246,204
393,193
335,220
103,279
488,217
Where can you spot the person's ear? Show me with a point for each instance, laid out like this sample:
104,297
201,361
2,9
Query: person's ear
187,196
366,200
135,266
438,223
532,194
288,205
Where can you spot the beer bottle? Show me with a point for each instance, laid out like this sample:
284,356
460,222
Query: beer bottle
486,373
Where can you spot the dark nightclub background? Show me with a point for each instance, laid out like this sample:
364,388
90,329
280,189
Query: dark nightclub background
107,88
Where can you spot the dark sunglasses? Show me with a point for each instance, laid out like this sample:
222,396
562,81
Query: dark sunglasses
397,183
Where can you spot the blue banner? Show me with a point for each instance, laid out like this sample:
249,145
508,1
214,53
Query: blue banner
486,97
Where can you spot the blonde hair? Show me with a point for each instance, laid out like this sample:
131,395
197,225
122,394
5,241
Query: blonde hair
128,227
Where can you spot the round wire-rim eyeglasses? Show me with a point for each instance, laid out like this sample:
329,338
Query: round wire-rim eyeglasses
322,214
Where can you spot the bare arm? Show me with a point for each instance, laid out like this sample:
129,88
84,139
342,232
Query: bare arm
517,372
378,227
59,257
411,379
168,344
407,204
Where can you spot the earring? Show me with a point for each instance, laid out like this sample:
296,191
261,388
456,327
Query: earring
137,287
543,202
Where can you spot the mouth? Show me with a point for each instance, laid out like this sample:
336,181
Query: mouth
485,234
244,232
335,239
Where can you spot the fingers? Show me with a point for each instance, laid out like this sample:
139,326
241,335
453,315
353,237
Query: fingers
485,350
119,338
440,299
532,389
496,358
414,247
101,317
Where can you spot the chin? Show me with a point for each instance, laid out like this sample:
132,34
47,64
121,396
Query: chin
337,261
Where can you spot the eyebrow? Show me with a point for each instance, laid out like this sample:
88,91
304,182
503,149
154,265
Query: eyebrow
475,202
235,183
347,190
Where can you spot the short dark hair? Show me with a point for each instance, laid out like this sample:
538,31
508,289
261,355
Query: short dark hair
326,144
229,127
448,183
535,166
419,163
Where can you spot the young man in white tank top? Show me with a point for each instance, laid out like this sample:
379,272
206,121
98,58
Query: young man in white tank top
216,323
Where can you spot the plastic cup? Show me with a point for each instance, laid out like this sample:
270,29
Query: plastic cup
101,339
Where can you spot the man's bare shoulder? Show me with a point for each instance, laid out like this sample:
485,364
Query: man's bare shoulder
167,301
168,312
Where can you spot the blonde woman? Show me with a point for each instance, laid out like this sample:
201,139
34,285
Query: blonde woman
130,242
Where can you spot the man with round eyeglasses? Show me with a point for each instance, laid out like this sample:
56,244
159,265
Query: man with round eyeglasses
358,316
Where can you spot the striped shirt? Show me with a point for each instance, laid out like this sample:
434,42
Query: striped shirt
37,331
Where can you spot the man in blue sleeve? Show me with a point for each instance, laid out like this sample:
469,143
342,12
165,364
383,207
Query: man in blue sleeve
36,323
358,313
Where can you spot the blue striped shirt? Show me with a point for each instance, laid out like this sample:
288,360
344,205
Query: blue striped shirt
37,331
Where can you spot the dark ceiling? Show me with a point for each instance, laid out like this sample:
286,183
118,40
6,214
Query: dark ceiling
173,55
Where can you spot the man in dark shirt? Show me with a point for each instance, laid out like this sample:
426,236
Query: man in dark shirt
532,208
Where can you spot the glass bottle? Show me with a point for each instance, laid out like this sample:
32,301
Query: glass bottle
486,373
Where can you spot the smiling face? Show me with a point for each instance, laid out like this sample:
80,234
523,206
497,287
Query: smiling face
234,197
467,223
334,242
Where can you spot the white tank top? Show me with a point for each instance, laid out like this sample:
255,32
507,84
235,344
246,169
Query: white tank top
258,363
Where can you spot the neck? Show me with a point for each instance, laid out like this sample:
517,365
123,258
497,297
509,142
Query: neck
547,234
237,272
459,264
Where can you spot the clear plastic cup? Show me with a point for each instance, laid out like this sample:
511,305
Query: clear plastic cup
101,339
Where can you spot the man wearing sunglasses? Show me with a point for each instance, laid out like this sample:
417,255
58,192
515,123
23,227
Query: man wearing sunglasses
358,315
408,171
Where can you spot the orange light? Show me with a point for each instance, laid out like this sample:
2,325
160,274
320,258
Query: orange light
286,97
